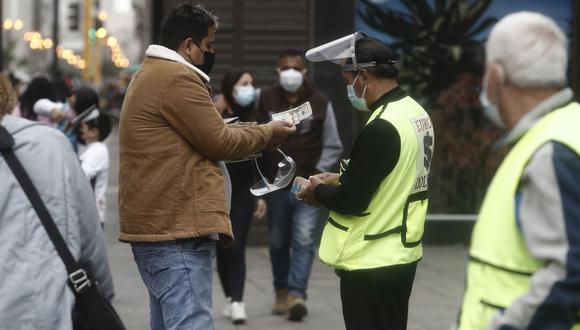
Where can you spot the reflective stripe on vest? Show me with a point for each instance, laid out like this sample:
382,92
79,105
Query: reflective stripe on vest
389,232
501,265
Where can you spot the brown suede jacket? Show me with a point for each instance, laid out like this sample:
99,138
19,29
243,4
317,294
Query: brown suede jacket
171,136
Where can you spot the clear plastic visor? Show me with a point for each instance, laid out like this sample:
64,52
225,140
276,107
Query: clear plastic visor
285,174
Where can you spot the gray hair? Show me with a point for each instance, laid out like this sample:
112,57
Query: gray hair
531,48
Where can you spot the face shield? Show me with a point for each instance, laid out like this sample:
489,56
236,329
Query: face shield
340,51
284,175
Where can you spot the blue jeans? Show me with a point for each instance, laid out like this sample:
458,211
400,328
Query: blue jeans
294,230
178,276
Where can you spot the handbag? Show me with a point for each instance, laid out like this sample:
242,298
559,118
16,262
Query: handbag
92,311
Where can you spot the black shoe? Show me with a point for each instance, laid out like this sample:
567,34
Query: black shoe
297,308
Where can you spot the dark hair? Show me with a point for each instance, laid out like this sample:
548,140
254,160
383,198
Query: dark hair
101,123
39,88
85,97
186,21
230,79
369,49
291,52
63,90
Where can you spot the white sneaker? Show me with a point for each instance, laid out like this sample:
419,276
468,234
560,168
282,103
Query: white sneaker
238,312
227,311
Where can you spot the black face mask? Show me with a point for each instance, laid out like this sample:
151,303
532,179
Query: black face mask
208,60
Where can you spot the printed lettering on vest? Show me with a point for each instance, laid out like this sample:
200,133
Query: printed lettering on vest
425,141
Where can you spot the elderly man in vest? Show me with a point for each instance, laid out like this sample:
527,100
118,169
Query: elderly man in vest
524,260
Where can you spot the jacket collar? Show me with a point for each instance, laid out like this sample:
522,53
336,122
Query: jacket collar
165,53
393,95
555,101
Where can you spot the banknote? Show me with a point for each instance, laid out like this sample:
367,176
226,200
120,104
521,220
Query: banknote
299,184
294,115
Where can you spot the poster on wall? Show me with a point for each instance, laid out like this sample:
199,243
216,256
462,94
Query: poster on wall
440,44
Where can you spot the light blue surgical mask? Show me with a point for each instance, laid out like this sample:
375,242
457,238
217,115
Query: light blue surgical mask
490,110
244,95
357,102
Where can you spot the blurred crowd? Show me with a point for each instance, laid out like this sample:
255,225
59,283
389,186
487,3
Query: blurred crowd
56,129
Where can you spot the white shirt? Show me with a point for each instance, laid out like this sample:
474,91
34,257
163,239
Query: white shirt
95,164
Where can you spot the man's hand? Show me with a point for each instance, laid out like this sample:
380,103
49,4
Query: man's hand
331,179
281,131
56,115
261,208
307,194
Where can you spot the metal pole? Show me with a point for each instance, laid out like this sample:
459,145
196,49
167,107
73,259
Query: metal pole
55,38
87,23
576,49
1,38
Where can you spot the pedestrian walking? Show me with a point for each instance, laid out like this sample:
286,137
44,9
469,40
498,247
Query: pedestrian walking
294,228
239,95
94,129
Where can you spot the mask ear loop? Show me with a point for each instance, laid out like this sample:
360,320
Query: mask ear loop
364,89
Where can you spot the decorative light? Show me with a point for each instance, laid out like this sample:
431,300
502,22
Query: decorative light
103,15
101,33
8,24
67,53
36,35
27,36
47,43
112,42
35,44
18,25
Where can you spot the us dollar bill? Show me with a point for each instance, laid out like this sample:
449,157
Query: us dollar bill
294,115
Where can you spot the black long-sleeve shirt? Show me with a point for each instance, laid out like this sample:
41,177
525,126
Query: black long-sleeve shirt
373,157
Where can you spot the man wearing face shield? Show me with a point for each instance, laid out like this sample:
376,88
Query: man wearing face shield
379,201
173,184
294,228
524,259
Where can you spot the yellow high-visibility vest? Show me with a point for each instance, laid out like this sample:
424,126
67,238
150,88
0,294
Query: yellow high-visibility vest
501,265
390,231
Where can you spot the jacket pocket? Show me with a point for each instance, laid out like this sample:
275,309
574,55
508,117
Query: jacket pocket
210,194
414,219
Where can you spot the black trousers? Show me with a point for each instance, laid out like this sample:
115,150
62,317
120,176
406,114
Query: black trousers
376,299
231,261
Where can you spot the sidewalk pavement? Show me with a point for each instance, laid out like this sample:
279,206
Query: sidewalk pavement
434,302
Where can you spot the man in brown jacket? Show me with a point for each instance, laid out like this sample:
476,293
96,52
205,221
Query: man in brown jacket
173,199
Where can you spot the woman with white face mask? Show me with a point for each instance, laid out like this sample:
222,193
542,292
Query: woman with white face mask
239,96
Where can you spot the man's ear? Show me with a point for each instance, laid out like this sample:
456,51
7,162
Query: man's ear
186,44
364,73
496,78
